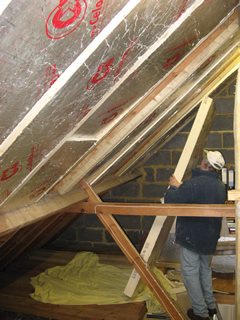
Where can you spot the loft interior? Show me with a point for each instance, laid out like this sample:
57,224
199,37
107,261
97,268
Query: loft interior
90,91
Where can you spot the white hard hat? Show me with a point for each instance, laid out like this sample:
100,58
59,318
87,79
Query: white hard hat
215,158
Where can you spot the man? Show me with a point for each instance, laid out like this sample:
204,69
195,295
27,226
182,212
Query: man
198,236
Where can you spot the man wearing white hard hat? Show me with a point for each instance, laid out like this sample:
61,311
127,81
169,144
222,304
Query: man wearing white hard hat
198,236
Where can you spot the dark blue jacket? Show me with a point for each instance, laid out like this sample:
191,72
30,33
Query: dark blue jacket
198,234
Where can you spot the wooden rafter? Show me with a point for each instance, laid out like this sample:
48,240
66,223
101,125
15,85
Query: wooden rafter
7,237
22,239
144,152
34,236
53,91
165,95
20,217
69,73
148,149
4,5
36,223
122,129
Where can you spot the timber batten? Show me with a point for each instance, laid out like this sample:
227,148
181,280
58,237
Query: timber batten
219,210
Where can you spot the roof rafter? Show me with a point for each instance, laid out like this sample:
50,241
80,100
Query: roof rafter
84,166
148,149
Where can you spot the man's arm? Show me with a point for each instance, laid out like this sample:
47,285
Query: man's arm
174,182
179,192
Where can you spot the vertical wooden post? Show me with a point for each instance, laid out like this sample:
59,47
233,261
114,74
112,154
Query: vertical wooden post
189,158
236,126
135,259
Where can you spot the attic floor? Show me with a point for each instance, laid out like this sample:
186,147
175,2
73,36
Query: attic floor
18,305
5,315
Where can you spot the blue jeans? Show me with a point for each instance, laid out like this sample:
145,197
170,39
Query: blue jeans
197,278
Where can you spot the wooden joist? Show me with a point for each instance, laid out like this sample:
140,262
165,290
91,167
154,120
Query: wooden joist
150,209
34,235
7,237
62,223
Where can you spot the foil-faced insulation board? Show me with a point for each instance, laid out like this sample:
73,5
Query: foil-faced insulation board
158,118
79,67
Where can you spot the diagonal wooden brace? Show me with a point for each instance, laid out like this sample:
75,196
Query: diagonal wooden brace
135,259
161,227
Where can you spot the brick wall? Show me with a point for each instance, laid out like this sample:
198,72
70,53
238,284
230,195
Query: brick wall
89,234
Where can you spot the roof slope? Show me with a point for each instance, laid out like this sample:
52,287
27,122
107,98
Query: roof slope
90,89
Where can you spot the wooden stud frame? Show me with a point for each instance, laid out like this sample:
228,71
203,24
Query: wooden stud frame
236,126
135,259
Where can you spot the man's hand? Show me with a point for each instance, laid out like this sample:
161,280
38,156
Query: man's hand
173,181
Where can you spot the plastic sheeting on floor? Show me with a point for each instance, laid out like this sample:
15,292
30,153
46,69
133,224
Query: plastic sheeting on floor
85,281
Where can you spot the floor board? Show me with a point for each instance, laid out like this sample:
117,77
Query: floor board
15,289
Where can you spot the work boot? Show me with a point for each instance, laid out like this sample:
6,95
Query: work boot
193,316
212,312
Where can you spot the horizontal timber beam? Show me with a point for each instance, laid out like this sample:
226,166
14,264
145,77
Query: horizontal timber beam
234,195
135,259
53,203
150,209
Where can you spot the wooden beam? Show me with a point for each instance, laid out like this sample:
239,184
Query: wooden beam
63,222
196,139
234,195
223,86
53,203
136,260
70,72
4,5
224,299
23,239
7,237
152,209
192,151
236,126
109,141
165,94
148,149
